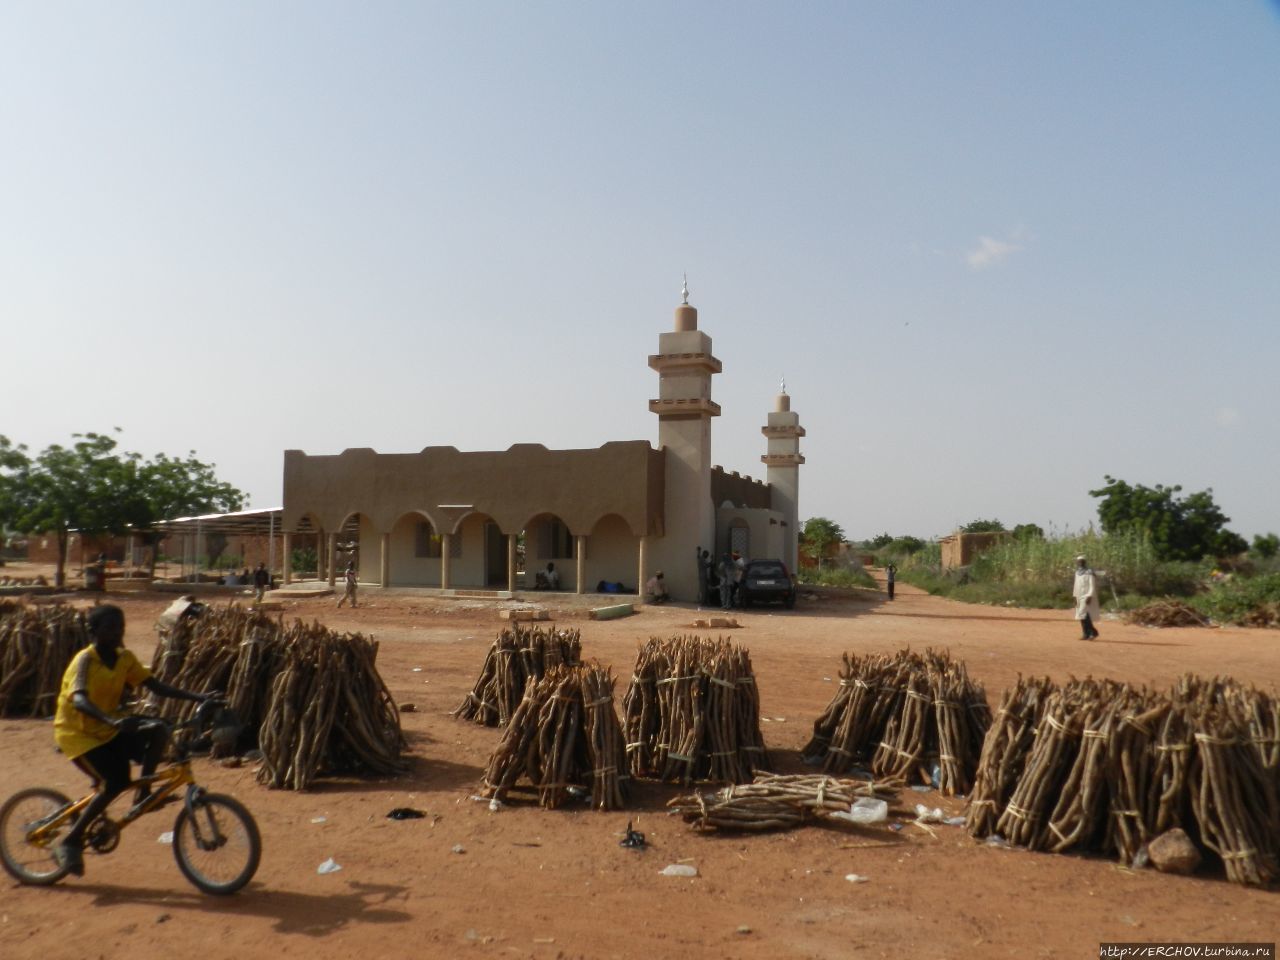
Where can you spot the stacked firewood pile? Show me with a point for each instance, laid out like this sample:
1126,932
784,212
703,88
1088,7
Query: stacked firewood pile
904,716
565,739
1104,767
692,712
309,698
517,657
36,644
777,802
1167,613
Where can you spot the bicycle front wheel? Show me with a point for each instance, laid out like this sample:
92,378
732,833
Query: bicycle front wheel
218,848
27,860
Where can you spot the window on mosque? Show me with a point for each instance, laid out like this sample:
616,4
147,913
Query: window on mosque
554,541
426,542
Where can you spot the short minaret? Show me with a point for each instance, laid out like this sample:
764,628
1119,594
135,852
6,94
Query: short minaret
684,407
782,471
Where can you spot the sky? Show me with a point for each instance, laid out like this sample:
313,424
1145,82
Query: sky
998,250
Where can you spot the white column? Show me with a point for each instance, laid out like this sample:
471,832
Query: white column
332,551
581,558
446,548
644,562
287,560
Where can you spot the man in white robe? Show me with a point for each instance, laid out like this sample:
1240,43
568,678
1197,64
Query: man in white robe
1086,593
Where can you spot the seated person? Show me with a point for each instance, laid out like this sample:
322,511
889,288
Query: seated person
656,589
552,577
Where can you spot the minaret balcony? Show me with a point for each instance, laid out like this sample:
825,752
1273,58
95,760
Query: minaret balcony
685,362
683,408
782,459
790,430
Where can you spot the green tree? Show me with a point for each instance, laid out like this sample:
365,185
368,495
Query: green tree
883,540
983,526
1180,528
90,488
1265,545
1028,531
817,536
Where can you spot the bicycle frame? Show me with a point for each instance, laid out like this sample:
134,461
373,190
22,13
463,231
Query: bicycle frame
164,784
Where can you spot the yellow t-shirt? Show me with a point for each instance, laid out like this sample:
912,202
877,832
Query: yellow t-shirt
77,733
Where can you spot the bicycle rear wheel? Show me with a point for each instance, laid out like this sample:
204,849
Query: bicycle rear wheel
218,848
26,860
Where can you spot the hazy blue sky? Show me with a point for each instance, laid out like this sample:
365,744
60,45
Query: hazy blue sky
998,250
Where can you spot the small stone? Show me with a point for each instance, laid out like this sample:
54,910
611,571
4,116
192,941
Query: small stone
744,929
408,707
163,918
459,848
1173,852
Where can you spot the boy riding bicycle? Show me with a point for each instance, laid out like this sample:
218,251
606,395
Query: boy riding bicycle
93,734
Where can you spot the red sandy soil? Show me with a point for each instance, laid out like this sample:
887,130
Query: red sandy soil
539,884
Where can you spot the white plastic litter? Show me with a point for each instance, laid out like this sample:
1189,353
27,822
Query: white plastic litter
921,788
319,819
925,815
417,669
865,810
459,848
856,878
679,870
166,837
954,821
329,866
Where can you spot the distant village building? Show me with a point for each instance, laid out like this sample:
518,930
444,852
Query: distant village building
612,515
960,549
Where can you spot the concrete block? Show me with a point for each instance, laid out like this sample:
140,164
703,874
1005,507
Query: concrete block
523,615
613,612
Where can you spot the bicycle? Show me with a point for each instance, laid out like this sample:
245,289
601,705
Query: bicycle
215,838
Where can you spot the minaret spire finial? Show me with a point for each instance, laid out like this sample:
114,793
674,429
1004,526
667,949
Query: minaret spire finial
784,384
684,291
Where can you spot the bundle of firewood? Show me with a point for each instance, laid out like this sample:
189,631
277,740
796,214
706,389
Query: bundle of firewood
1104,767
518,656
777,802
905,716
36,644
309,698
692,712
565,739
1167,613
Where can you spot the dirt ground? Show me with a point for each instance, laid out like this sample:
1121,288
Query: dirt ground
538,884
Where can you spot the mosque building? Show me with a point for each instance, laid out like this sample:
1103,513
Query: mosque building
616,514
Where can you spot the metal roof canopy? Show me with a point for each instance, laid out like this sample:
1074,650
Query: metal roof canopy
247,523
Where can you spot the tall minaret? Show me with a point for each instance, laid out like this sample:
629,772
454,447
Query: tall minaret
782,472
684,408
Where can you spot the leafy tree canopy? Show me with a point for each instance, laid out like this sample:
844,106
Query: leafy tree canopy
1265,545
1028,531
91,488
983,526
883,540
818,534
1180,528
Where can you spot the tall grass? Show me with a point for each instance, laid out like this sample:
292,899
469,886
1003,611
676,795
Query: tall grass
1038,572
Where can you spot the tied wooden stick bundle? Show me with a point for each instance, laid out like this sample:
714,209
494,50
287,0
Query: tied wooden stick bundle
517,657
692,712
1111,767
564,738
1004,753
36,644
901,715
772,802
310,699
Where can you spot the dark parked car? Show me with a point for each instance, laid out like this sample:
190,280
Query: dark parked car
768,580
